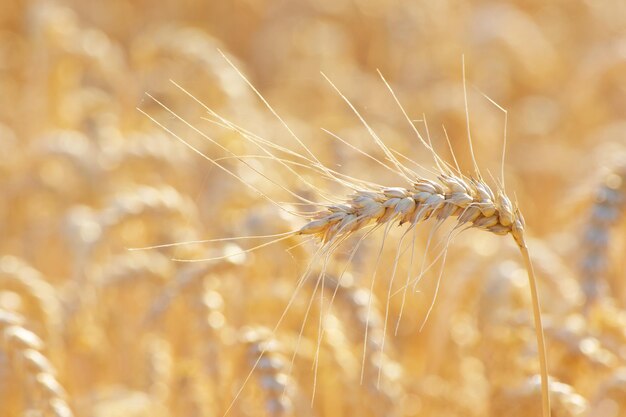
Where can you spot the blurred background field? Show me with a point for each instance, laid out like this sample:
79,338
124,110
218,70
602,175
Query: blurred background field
89,328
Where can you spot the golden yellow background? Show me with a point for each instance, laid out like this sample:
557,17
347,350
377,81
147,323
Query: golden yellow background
84,176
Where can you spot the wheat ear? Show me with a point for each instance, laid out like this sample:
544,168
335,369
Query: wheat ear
470,200
25,349
271,370
16,275
609,203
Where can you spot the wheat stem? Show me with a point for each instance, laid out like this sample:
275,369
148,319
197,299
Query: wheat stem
541,345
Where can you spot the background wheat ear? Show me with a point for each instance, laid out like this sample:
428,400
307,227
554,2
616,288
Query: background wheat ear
41,388
272,371
606,212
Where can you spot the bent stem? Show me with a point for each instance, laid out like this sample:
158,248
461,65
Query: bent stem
541,346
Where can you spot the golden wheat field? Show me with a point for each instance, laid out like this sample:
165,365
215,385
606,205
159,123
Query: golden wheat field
314,161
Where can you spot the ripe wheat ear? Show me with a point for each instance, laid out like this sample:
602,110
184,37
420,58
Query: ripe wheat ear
469,200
